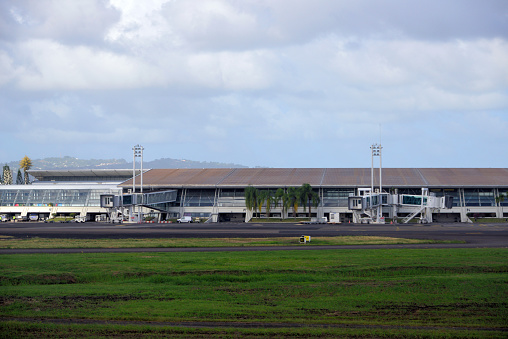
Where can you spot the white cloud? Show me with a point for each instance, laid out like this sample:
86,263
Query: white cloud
54,66
254,75
230,70
98,111
141,23
7,69
372,75
457,65
48,65
51,110
18,17
65,21
212,24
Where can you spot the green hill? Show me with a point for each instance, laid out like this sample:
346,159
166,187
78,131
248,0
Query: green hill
68,162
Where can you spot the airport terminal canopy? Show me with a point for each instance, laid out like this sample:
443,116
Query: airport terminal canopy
96,175
323,177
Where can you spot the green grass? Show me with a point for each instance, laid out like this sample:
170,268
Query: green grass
13,329
12,243
456,292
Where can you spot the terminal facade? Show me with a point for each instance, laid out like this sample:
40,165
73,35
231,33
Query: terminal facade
218,194
61,193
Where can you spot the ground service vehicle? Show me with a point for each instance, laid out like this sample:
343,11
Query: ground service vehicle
335,218
79,218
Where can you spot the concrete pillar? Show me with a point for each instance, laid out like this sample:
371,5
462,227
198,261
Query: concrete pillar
499,208
182,202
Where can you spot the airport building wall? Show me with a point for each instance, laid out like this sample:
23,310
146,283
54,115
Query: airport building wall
219,193
60,199
468,203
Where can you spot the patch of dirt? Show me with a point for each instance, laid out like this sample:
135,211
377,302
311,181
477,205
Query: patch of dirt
72,301
211,324
45,279
413,308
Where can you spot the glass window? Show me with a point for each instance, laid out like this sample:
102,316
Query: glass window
199,197
486,197
336,197
9,197
50,197
471,197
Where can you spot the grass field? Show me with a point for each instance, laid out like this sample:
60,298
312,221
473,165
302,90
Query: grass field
331,293
11,242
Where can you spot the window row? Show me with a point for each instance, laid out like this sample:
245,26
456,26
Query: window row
50,197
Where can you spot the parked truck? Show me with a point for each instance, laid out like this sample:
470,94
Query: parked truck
184,219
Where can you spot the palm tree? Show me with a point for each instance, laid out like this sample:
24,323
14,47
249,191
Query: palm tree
294,198
278,198
25,164
286,203
308,197
250,198
260,199
305,195
269,201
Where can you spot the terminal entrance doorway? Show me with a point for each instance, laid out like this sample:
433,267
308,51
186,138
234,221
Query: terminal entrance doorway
231,217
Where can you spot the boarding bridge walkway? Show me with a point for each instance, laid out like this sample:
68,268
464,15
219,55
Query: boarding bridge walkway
149,200
371,204
152,200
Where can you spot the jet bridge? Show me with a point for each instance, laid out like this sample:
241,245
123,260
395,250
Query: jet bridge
368,203
152,200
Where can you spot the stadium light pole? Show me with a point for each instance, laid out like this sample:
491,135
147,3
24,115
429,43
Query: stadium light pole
137,153
376,152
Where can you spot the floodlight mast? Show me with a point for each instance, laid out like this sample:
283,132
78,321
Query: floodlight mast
376,152
137,153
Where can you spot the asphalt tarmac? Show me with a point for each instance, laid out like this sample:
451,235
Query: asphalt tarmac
474,235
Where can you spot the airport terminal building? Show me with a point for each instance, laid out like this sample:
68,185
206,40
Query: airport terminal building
61,193
219,194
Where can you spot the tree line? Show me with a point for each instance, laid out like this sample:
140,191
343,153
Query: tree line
293,197
22,178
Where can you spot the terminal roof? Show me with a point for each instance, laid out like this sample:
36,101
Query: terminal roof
323,177
82,173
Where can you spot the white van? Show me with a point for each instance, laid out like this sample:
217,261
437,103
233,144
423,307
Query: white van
184,219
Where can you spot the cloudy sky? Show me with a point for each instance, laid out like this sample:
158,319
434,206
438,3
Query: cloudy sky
276,83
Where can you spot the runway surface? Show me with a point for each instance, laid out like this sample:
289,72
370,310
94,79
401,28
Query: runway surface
474,235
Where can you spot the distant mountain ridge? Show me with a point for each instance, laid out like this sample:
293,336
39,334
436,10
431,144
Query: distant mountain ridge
68,162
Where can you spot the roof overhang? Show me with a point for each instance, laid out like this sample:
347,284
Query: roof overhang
38,174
